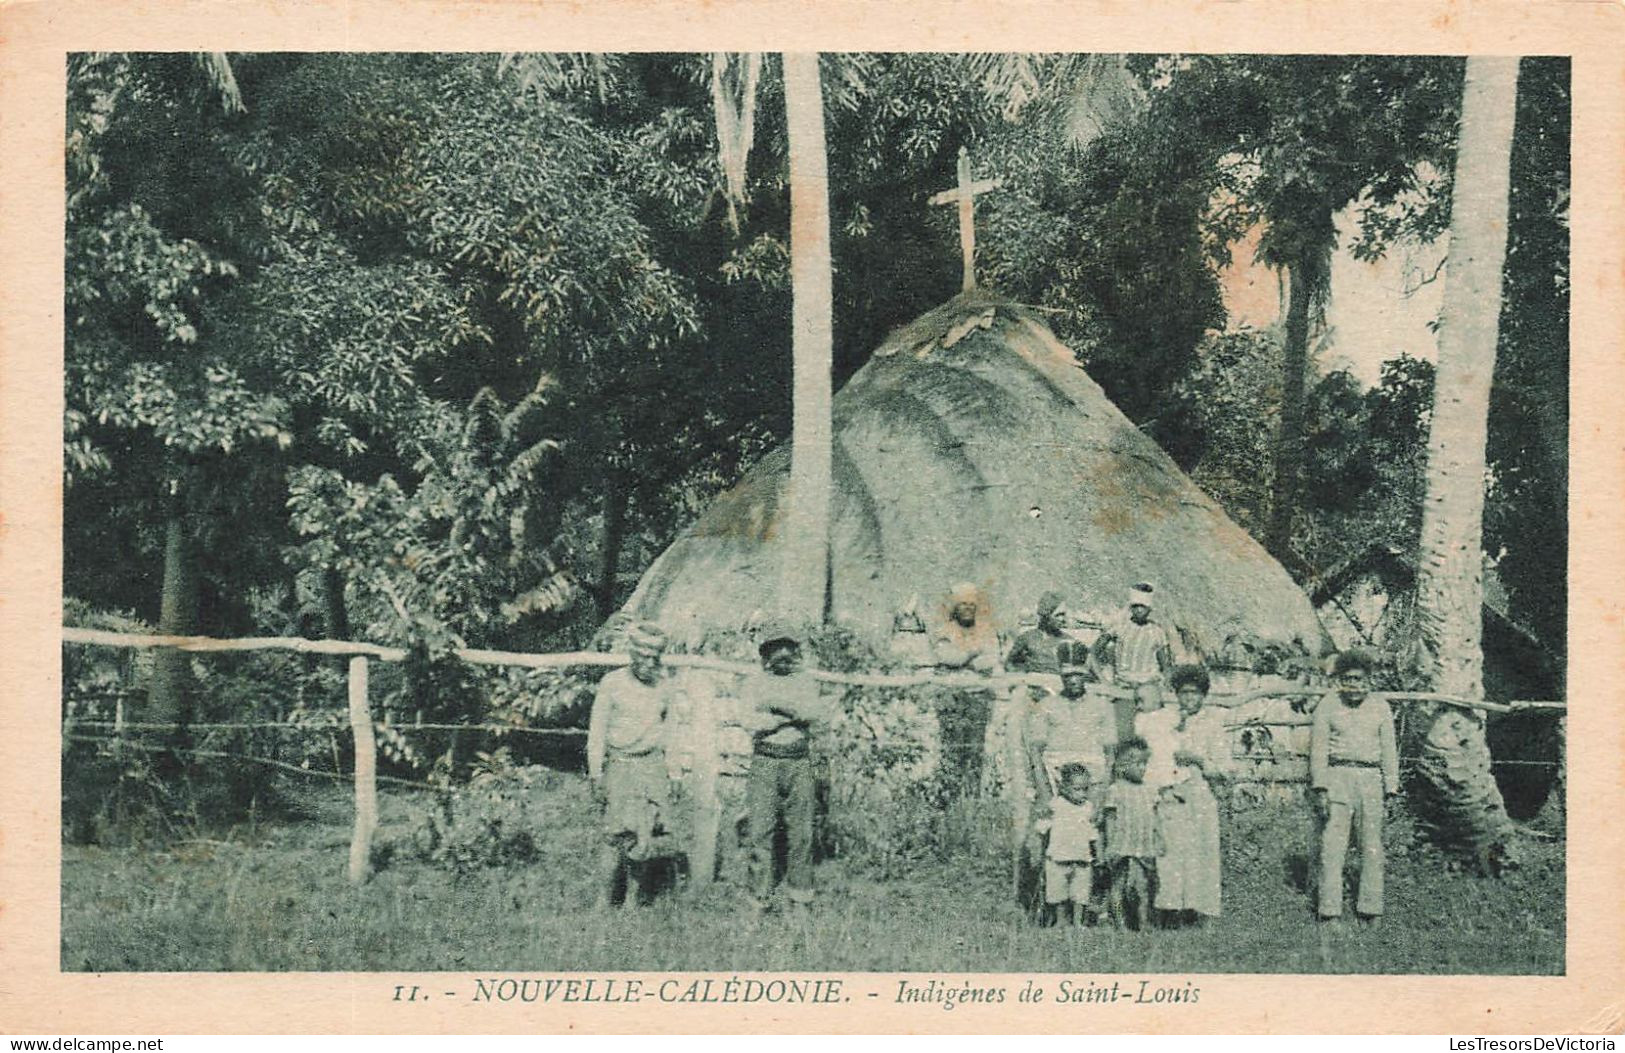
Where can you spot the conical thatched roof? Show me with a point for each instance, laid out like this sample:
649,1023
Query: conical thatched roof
972,447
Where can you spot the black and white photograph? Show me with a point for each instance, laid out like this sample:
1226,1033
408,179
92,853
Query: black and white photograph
675,513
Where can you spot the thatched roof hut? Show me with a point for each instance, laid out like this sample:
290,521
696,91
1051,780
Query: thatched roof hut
972,447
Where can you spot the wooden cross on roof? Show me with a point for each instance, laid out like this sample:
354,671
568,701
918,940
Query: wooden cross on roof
964,195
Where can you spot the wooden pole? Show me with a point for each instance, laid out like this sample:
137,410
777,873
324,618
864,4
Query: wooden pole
967,221
366,774
1015,783
706,740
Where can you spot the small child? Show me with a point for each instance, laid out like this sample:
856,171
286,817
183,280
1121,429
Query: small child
1069,855
1133,841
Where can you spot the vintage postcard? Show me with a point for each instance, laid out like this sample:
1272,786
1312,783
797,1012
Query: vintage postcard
974,517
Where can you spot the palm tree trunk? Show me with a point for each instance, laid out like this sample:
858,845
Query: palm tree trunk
1461,801
1289,441
804,585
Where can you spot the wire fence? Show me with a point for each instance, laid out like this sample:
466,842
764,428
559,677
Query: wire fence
359,718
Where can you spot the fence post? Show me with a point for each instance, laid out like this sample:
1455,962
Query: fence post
366,773
1016,789
706,740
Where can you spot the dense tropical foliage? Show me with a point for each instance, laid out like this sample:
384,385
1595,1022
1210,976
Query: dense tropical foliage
443,349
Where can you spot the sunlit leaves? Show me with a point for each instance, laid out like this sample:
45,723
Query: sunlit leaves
765,261
453,558
184,406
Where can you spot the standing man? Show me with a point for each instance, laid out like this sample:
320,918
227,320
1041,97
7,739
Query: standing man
626,761
966,643
784,705
1141,654
1353,762
1035,649
1072,728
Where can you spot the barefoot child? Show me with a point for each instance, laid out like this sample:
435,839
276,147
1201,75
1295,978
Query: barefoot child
1133,841
1069,853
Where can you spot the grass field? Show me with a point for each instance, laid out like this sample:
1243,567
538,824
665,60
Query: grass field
277,900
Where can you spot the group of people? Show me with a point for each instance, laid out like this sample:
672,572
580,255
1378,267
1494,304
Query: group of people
626,762
1119,821
1124,820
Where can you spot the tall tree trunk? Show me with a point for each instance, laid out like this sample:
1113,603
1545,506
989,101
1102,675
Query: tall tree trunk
1462,802
615,497
803,592
1289,440
338,615
171,690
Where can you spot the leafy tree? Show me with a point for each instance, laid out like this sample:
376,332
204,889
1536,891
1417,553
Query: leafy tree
1363,473
426,263
1108,240
157,404
1300,138
452,557
1227,405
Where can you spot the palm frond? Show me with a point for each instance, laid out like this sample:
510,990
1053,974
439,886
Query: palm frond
1089,94
522,467
736,123
1011,80
543,73
533,401
1102,95
217,67
555,593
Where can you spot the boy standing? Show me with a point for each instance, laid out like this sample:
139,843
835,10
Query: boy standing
626,761
783,704
1353,762
1141,654
1069,853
